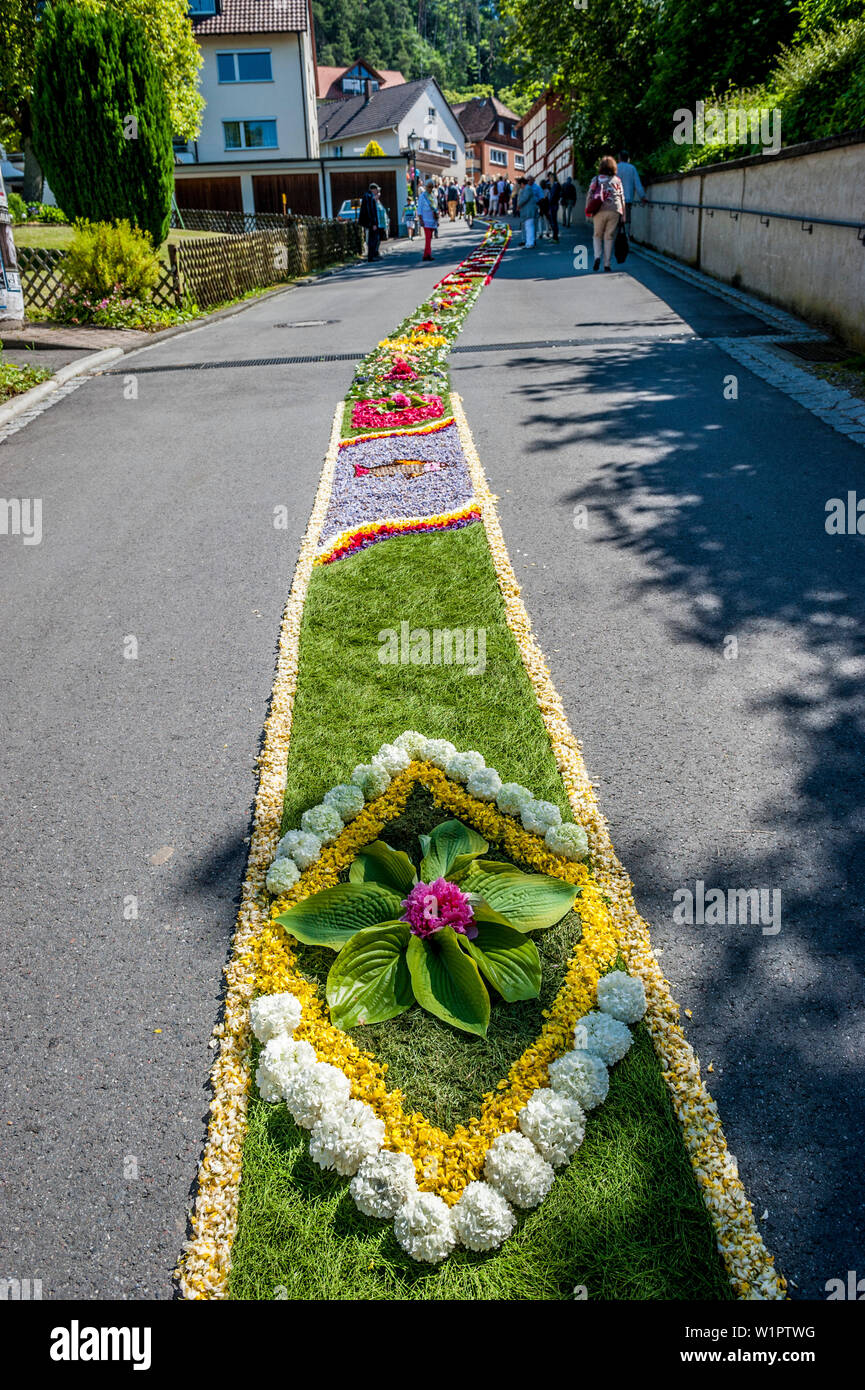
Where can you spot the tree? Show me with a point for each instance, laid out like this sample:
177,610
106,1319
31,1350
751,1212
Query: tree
373,151
101,117
17,56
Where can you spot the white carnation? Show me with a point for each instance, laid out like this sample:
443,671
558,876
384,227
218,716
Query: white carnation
462,765
582,1076
604,1035
554,1123
569,840
281,876
424,1228
413,743
282,1060
346,800
314,1089
373,781
392,758
515,1167
482,1218
485,783
511,798
323,821
382,1183
272,1014
345,1135
622,996
301,846
438,751
538,816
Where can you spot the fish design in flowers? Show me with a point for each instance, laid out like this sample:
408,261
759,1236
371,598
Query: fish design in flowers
437,936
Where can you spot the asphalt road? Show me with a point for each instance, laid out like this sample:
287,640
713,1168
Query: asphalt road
704,522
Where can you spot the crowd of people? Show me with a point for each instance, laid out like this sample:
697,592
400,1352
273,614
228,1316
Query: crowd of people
539,203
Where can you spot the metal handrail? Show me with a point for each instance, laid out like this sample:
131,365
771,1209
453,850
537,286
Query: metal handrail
764,214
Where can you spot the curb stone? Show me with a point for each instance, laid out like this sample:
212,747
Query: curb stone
84,365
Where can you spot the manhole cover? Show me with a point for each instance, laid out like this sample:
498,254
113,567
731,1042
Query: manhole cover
307,323
817,352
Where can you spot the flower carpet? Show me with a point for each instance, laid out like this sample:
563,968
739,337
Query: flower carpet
450,1066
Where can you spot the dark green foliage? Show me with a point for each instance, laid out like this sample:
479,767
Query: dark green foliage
101,118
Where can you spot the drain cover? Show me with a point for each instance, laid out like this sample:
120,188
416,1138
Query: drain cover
816,351
307,323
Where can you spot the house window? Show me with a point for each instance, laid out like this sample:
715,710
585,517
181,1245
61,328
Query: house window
202,6
519,161
448,150
498,157
501,127
247,66
513,132
250,135
337,150
431,113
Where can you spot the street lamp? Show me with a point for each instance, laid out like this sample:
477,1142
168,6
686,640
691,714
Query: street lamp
411,141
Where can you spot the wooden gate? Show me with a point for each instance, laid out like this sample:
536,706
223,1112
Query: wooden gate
223,194
301,191
353,183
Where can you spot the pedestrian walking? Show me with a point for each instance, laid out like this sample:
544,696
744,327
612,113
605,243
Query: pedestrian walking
453,202
555,199
369,220
569,200
427,215
605,208
410,218
631,185
528,209
544,227
502,194
469,201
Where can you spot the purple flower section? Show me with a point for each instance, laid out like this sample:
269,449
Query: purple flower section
357,500
431,906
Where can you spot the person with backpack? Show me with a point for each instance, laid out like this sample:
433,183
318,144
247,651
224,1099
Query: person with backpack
605,209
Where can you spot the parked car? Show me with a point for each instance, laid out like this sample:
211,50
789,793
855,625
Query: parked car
349,211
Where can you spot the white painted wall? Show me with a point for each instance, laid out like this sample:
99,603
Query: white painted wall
289,99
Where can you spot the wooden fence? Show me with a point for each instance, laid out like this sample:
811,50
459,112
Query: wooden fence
210,270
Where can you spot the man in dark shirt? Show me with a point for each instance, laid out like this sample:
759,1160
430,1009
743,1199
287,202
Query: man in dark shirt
368,219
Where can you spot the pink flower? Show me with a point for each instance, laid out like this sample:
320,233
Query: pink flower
431,906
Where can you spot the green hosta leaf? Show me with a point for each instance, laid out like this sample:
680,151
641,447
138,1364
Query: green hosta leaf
509,960
369,980
529,902
447,983
331,917
448,843
378,863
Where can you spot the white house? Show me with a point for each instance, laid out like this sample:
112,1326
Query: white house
258,149
400,117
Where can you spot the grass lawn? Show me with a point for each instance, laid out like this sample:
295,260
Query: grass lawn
56,237
626,1218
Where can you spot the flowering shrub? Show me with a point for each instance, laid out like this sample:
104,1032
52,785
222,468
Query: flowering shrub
395,410
115,309
433,936
104,257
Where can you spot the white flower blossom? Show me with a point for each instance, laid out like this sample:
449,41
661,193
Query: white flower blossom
301,846
344,1135
272,1014
514,1166
538,816
382,1183
582,1076
569,840
373,781
346,800
482,1218
485,784
424,1228
311,1090
413,743
281,1061
462,765
323,821
511,798
604,1035
554,1123
281,876
392,758
622,996
438,751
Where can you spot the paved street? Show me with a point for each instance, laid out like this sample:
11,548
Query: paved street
704,522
